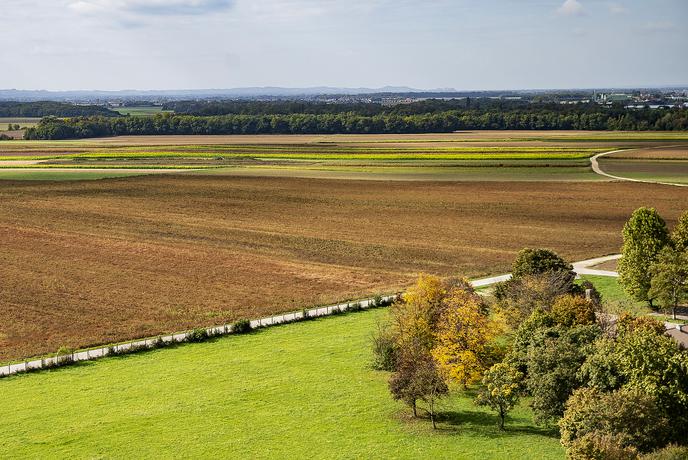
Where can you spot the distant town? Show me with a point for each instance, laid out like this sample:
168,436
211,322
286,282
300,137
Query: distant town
637,98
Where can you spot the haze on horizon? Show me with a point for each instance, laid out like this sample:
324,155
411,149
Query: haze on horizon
201,44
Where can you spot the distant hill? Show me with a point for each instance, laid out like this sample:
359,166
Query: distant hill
34,95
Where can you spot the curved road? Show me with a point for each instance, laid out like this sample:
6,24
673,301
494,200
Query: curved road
596,168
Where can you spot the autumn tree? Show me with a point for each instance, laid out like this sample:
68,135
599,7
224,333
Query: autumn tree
569,311
519,298
501,390
464,336
645,235
417,378
414,319
669,282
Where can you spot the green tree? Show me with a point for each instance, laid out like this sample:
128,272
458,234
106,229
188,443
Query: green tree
554,360
680,234
501,390
539,261
627,419
669,283
645,235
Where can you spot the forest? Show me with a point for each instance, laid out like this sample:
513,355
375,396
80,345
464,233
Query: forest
50,108
352,123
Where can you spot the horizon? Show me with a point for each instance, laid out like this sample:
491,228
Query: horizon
177,45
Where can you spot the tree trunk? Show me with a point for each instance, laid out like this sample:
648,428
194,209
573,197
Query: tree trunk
432,413
415,414
501,419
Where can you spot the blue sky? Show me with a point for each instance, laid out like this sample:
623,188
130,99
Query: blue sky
487,44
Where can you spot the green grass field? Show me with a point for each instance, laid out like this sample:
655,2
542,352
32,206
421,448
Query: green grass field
302,390
48,175
139,111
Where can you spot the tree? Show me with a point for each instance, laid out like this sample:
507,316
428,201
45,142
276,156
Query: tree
501,390
669,282
553,362
680,234
569,311
644,235
627,419
414,319
539,261
519,297
417,378
463,339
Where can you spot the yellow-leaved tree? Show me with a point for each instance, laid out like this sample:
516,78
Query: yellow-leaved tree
464,347
415,319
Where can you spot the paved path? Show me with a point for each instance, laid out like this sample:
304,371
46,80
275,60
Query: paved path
596,168
581,268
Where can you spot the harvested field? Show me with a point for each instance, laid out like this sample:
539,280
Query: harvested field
85,263
674,171
657,153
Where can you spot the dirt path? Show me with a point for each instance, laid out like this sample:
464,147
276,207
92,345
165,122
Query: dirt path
596,168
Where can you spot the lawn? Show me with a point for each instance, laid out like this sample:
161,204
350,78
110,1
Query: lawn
299,391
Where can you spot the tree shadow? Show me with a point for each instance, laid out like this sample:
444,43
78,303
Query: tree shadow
487,424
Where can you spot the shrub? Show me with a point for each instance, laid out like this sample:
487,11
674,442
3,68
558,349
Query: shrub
377,301
198,335
384,350
356,306
601,447
241,326
64,355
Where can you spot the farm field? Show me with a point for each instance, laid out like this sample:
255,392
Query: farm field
139,111
302,390
663,164
177,251
675,171
464,156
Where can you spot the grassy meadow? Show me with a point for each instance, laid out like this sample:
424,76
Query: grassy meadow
301,390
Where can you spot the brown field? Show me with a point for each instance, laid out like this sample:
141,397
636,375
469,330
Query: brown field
611,265
674,171
85,263
658,153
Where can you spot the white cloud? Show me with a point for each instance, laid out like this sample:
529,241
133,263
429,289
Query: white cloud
159,7
571,8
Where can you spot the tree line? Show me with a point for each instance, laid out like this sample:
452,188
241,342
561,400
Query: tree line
351,123
49,108
615,385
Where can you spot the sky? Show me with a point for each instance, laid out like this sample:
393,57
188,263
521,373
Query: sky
426,44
